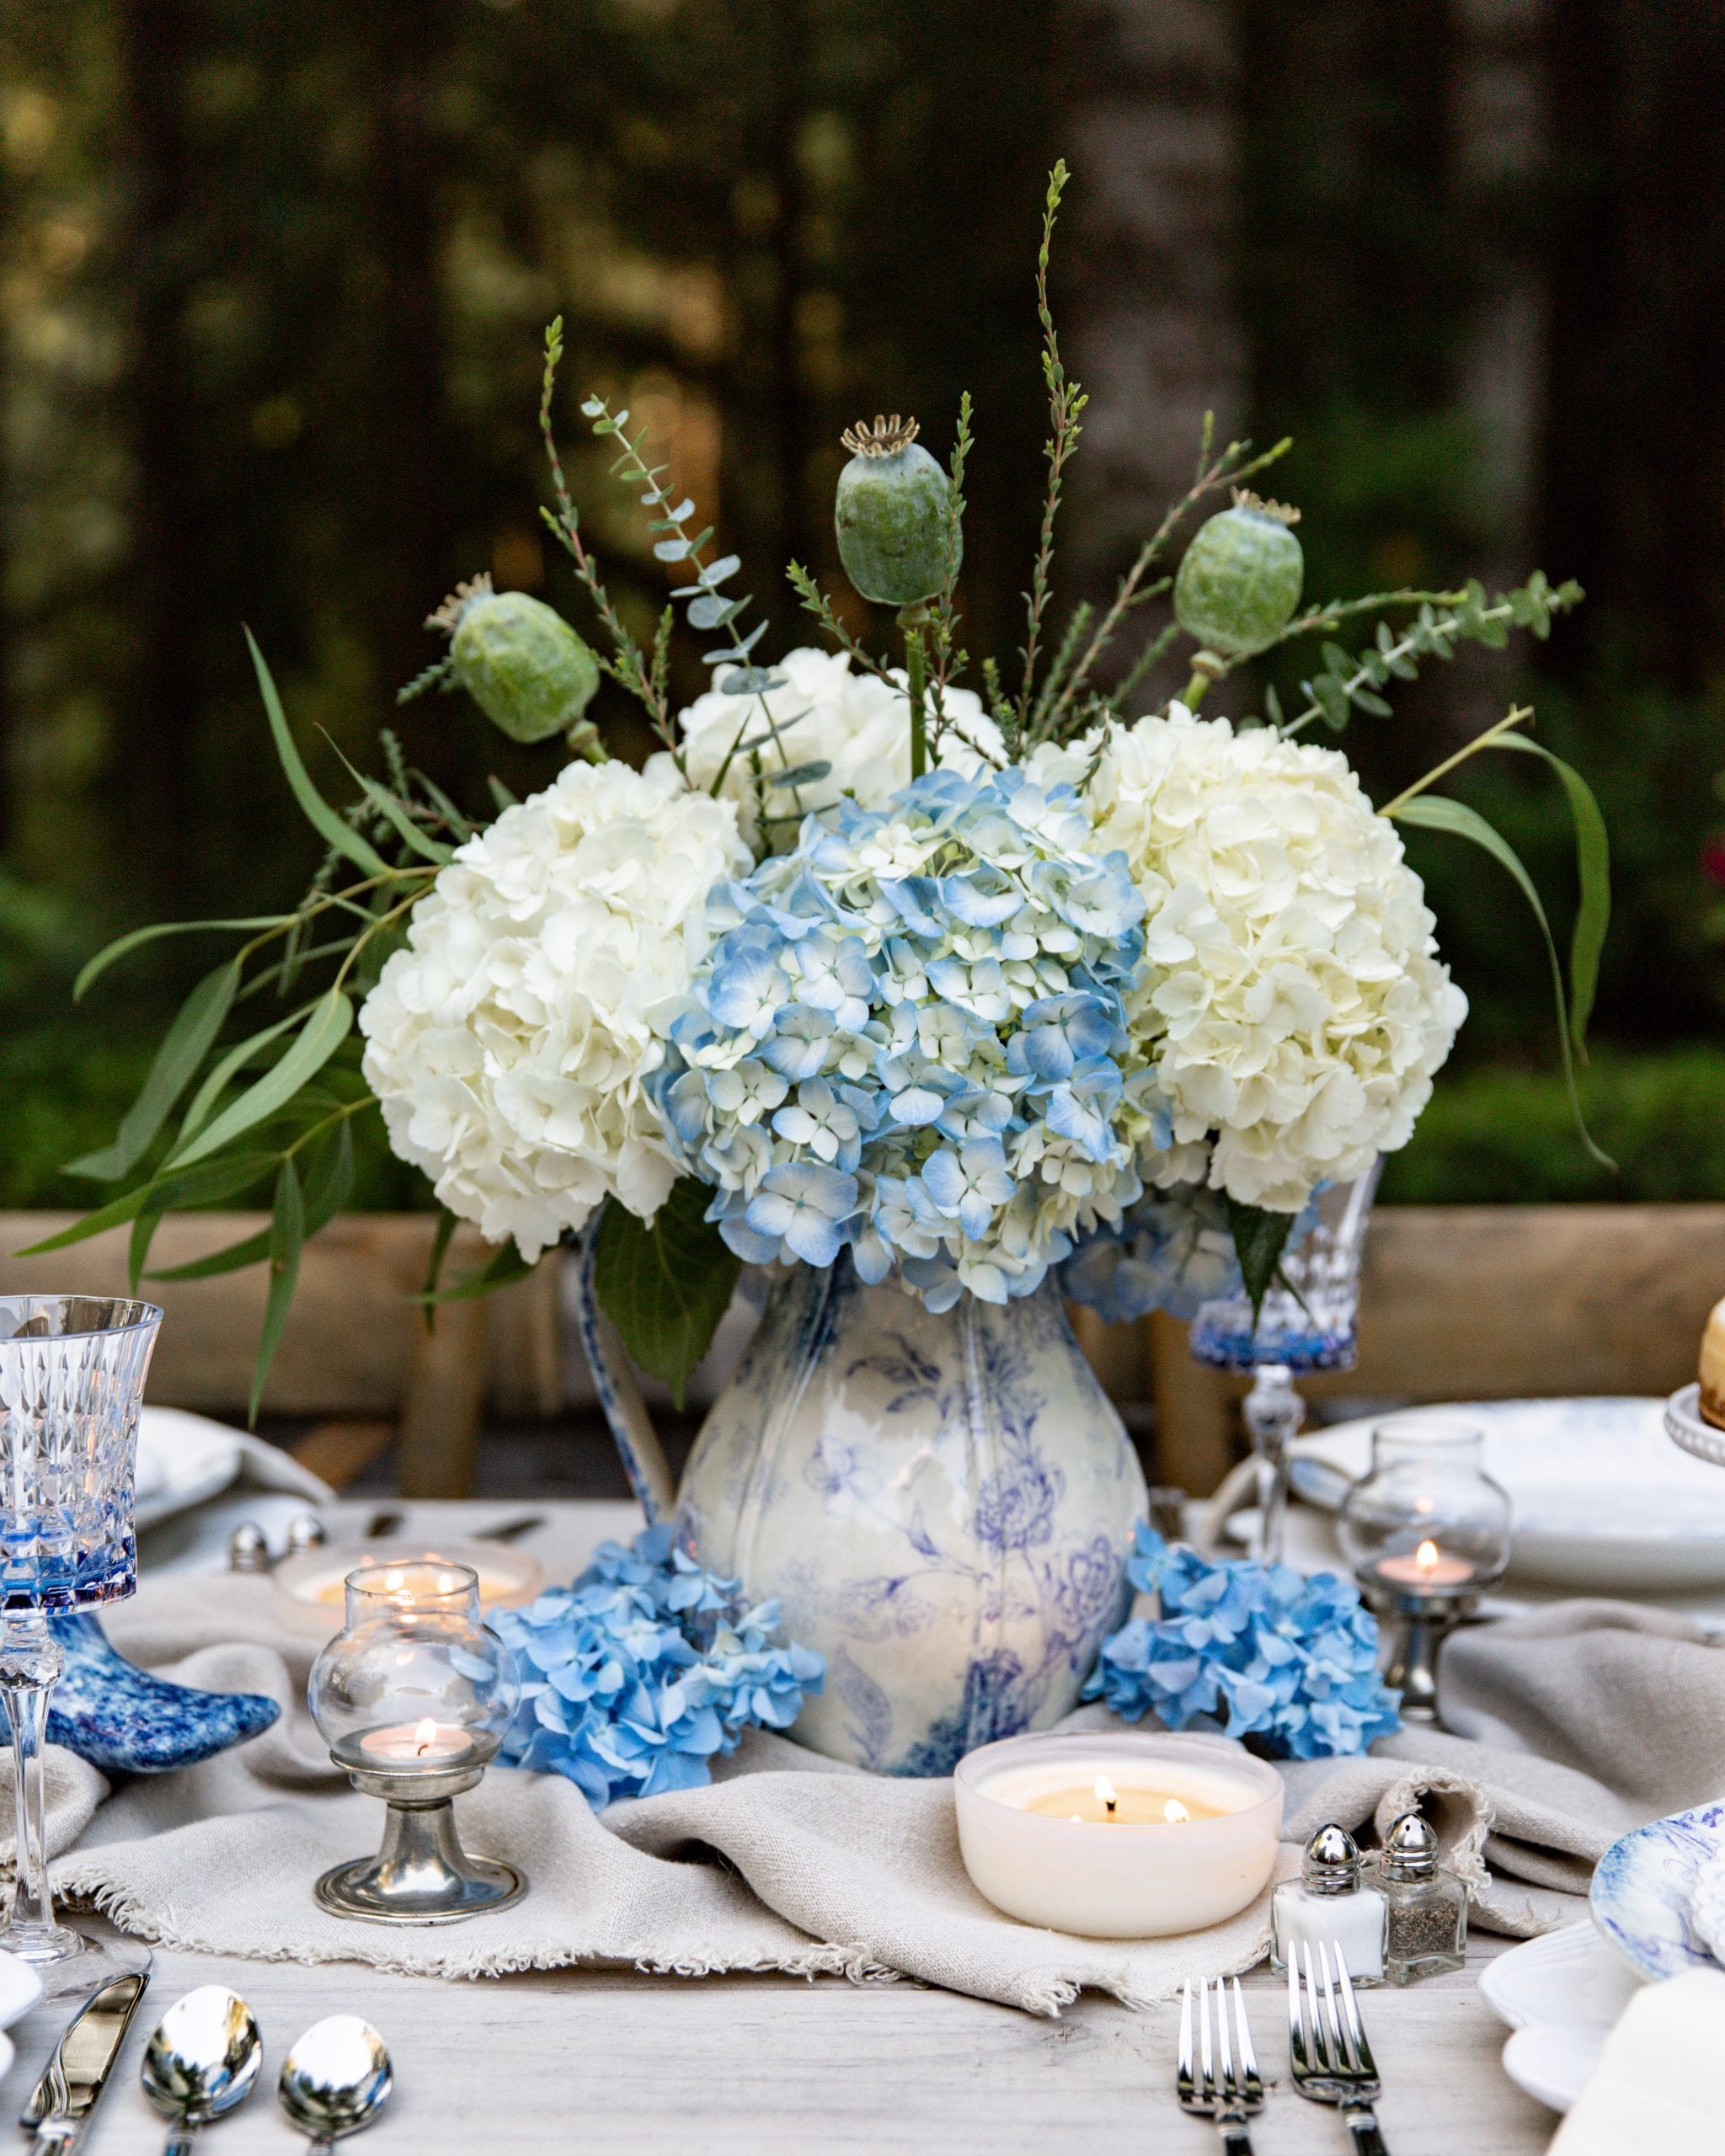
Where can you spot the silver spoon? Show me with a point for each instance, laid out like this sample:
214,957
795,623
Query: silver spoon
202,2061
335,2080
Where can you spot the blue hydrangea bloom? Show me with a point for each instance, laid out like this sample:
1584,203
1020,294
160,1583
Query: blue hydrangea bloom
908,1040
1258,1648
1172,1250
633,1678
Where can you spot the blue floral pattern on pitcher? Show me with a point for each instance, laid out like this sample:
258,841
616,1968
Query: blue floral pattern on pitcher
943,1504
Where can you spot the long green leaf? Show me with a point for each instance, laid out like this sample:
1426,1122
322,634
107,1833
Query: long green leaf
385,802
1260,1237
252,1250
323,1033
329,1175
447,1225
322,817
205,1185
1592,872
666,1285
504,1266
121,944
1436,812
184,1046
215,1084
287,1234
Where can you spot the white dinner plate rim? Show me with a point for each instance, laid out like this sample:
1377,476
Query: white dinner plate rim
1518,1986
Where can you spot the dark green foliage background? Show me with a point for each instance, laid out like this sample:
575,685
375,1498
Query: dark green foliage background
272,282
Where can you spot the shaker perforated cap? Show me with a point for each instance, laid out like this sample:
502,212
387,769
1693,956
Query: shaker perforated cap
1412,1851
1331,1864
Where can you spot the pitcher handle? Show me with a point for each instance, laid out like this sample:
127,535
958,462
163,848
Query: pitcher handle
632,1428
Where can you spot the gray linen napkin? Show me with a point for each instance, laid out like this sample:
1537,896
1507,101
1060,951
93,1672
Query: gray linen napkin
793,1862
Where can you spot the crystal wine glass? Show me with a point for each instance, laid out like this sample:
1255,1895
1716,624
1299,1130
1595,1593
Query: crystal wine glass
1306,1323
71,1381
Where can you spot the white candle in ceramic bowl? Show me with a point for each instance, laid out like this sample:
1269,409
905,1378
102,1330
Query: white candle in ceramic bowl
1115,1835
427,1743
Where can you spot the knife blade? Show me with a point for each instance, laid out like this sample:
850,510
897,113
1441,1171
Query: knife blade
78,2072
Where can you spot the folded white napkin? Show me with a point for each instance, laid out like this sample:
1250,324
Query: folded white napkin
1653,2087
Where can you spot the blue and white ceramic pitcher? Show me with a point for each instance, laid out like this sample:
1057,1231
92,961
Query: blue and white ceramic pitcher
942,1505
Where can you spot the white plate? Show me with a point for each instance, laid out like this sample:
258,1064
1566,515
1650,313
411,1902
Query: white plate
1603,1501
1561,1994
183,1458
1641,1891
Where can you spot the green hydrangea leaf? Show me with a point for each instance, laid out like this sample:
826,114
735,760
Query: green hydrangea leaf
666,1283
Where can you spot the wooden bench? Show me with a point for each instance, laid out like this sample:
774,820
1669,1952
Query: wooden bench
356,1352
1481,1302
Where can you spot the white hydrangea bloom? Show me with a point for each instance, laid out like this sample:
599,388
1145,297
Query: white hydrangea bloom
510,1042
825,714
1294,1006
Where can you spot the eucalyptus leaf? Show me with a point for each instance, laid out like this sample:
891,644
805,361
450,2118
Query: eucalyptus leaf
222,1074
184,1046
322,1034
1438,812
121,944
446,1226
505,1266
322,817
664,1284
287,1232
1593,870
208,1184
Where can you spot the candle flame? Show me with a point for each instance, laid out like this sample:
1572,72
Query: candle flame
1173,1810
394,1578
1426,1556
1105,1792
425,1735
446,1582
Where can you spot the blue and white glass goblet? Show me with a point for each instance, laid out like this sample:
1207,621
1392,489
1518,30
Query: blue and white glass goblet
1306,1323
72,1382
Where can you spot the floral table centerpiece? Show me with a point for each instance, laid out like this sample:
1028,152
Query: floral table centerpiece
931,999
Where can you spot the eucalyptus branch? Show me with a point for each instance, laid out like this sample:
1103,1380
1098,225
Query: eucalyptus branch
629,669
1513,717
1115,702
1233,466
942,612
1066,402
1351,680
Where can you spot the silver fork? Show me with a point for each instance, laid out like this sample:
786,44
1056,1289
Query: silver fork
1228,2097
1327,2047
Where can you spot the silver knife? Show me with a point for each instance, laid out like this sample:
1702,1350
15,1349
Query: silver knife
77,2074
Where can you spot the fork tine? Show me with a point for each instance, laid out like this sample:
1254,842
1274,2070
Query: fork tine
1204,2049
1339,2055
1298,2050
1248,2058
1185,2065
1230,2086
1362,2050
1318,2049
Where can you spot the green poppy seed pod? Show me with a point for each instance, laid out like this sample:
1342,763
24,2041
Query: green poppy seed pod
895,505
1240,582
519,660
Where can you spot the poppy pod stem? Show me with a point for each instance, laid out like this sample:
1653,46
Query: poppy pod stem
910,620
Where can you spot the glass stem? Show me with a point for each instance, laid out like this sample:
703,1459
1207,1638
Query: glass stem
1272,1413
31,1659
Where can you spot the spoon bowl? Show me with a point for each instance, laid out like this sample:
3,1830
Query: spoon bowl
335,2081
202,2060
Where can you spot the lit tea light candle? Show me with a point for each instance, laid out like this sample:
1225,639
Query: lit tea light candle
313,1584
427,1743
1118,1836
1428,1566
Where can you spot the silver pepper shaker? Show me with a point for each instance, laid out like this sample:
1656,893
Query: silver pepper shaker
1330,1904
1428,1905
248,1549
305,1532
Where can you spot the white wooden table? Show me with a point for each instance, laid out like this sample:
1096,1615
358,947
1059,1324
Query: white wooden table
610,2063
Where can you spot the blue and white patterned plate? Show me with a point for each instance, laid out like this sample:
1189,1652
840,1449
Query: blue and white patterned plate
1641,1891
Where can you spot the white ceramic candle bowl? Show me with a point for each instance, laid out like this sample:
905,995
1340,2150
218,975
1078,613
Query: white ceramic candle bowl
1107,1879
312,1585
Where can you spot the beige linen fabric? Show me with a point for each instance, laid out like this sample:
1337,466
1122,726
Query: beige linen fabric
793,1863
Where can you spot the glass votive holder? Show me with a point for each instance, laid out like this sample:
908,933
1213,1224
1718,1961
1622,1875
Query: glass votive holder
413,1697
1427,1531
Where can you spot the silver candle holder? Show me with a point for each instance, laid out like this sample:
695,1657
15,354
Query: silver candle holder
413,1696
1428,1532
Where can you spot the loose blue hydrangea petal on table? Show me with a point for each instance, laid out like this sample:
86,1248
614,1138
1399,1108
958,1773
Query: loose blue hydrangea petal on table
1259,1648
633,1678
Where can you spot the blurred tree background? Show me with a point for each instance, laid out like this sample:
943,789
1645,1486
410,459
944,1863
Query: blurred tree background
272,287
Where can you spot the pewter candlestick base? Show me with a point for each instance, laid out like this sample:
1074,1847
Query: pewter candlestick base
421,1875
1425,1621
